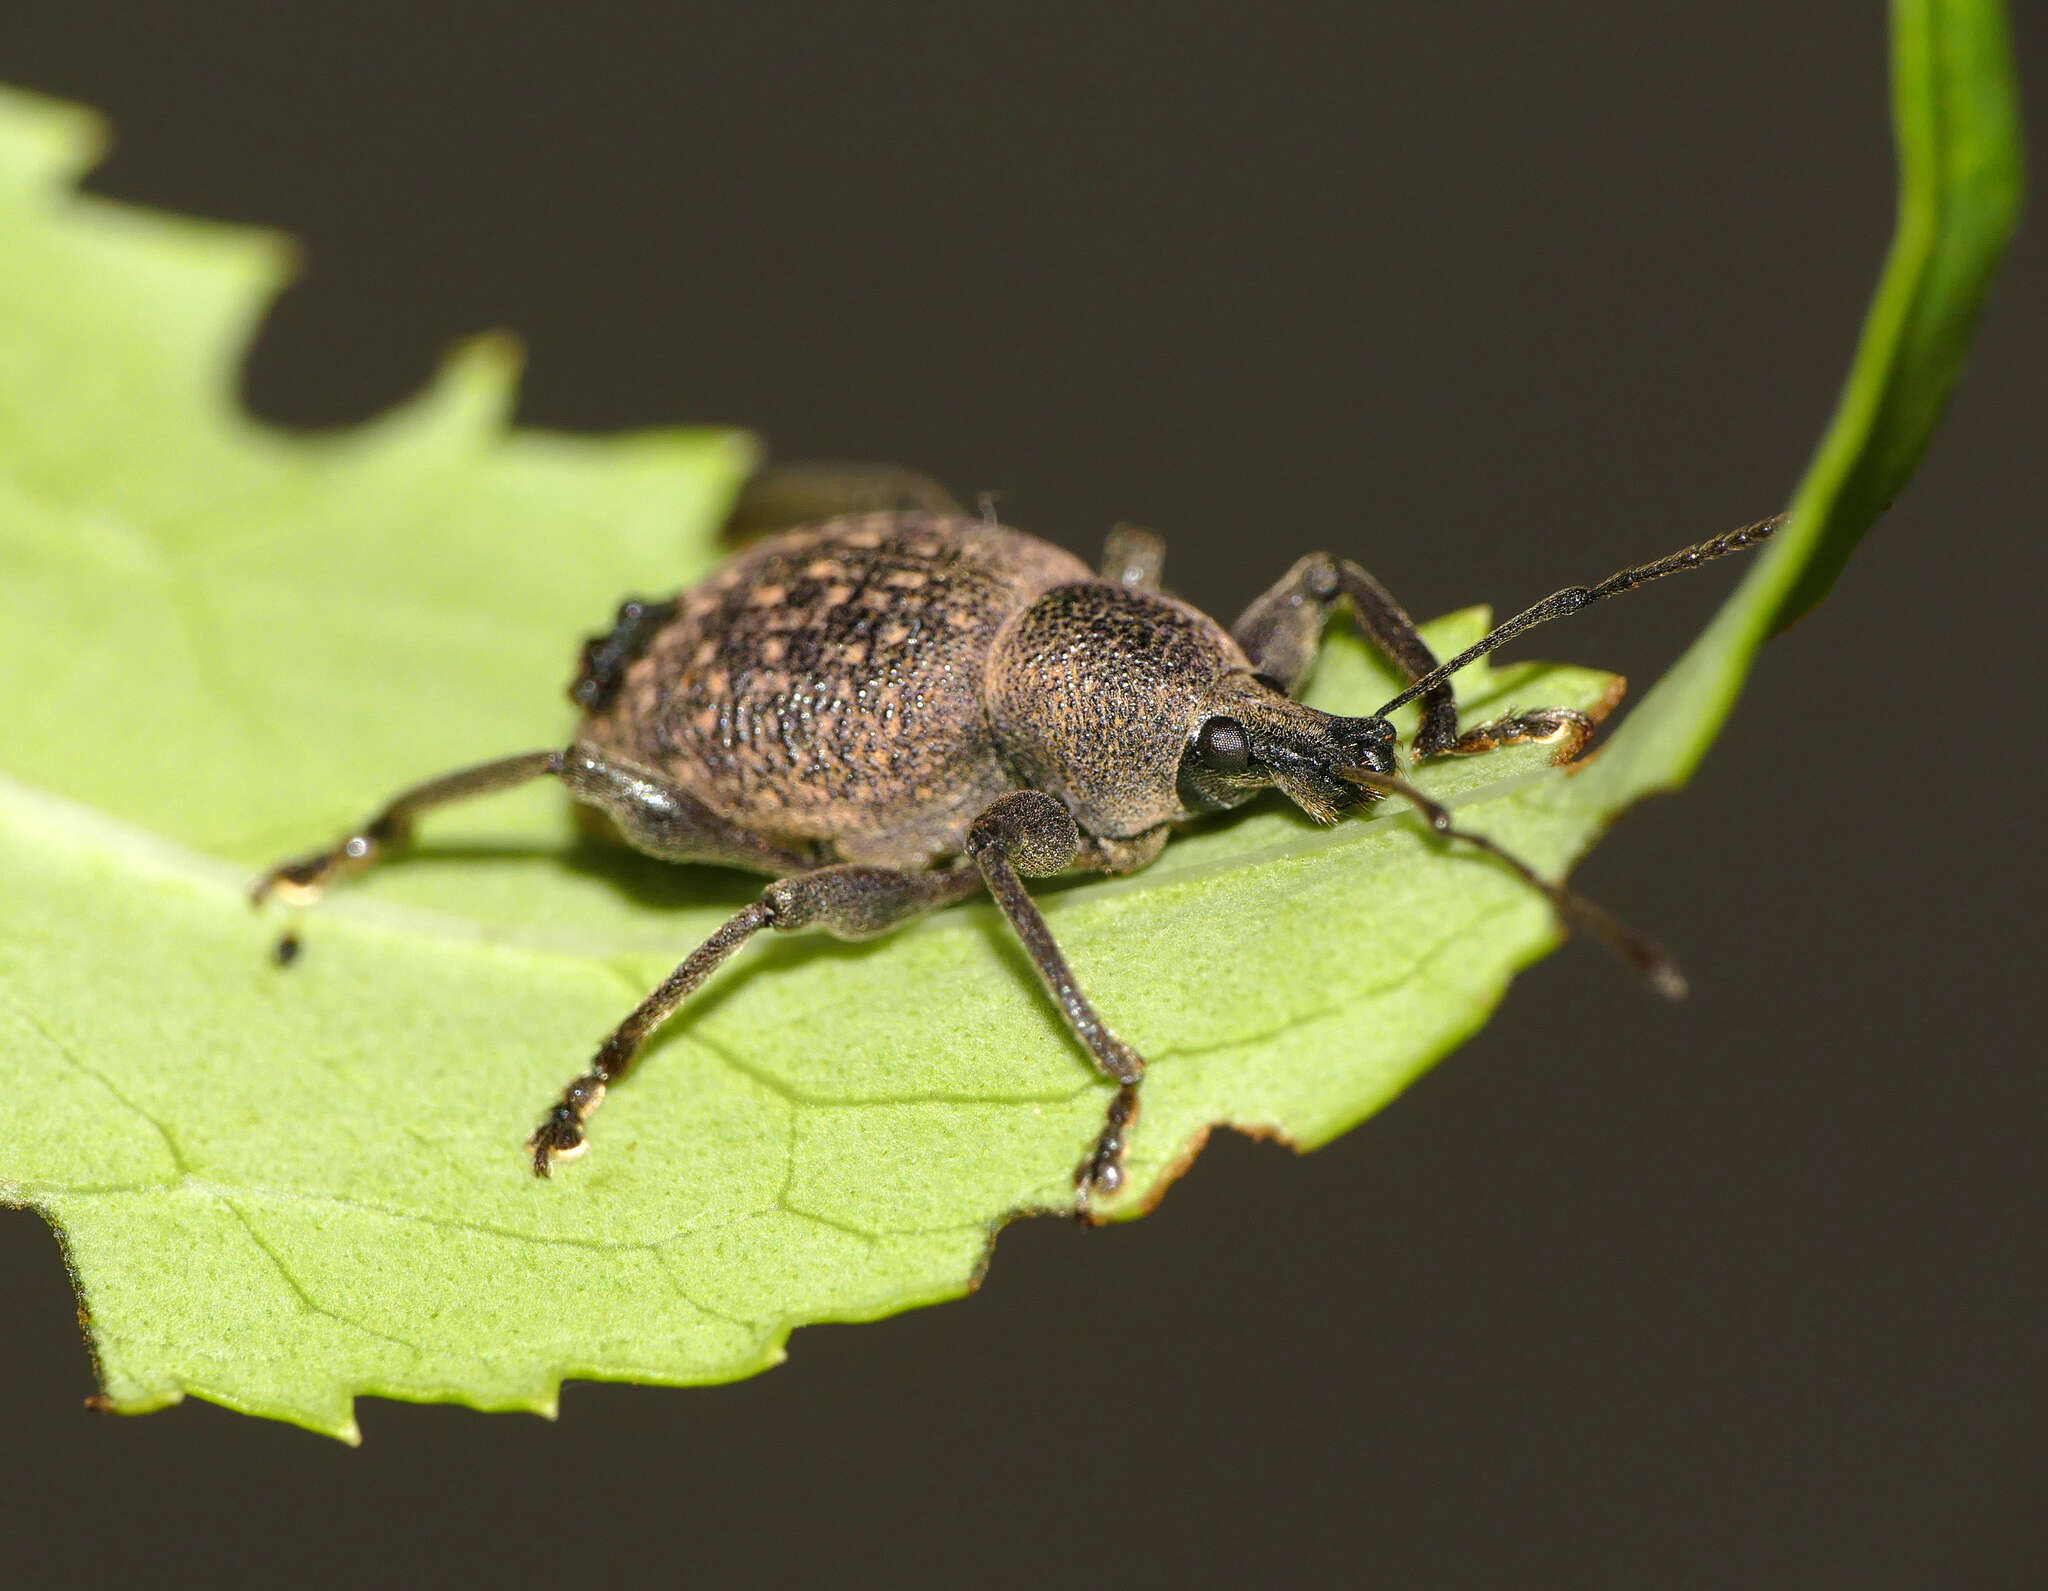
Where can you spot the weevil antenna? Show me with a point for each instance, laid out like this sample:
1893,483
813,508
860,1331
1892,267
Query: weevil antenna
1575,598
1573,909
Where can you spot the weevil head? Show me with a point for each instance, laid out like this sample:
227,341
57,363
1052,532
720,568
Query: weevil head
1138,710
1257,738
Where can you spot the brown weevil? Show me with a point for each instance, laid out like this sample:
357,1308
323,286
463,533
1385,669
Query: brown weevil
893,710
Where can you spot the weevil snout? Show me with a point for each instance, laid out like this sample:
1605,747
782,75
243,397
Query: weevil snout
1309,759
1367,743
1260,739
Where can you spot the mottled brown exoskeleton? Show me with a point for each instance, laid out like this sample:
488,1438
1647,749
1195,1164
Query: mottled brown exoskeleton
895,710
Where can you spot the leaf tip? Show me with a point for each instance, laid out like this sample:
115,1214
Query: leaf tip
51,142
479,378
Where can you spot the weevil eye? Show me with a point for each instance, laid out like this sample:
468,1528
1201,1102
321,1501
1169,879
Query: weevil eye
1222,746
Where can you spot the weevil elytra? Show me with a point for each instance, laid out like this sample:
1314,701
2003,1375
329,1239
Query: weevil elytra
899,707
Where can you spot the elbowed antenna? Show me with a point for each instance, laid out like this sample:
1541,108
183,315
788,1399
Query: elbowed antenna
1573,909
1575,598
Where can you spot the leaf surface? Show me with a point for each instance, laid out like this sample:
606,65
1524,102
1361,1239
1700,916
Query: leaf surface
282,1190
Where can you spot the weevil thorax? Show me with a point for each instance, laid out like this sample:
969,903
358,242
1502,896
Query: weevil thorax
1117,700
1093,691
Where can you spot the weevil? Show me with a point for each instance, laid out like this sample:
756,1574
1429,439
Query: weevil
893,709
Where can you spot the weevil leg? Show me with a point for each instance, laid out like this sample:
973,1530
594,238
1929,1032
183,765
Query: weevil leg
657,816
303,879
1029,832
1573,910
783,496
1565,725
1133,556
1282,632
654,814
849,901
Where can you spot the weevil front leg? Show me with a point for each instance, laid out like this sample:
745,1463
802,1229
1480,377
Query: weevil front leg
1282,633
849,901
1032,833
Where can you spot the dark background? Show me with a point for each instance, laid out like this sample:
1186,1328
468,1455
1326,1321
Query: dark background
1743,1292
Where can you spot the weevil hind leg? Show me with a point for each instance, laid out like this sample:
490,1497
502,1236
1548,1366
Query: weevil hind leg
652,813
302,880
848,901
659,818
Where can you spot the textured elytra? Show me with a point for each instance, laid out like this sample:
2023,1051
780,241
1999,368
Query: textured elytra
827,685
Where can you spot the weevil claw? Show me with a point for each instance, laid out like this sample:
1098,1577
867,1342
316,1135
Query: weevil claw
560,1136
1103,1171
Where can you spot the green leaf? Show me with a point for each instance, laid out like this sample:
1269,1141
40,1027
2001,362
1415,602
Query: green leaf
1955,114
280,1190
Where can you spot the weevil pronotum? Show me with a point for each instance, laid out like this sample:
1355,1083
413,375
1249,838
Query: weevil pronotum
899,706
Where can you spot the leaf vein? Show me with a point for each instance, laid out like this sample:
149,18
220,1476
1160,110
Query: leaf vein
66,1053
300,1290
